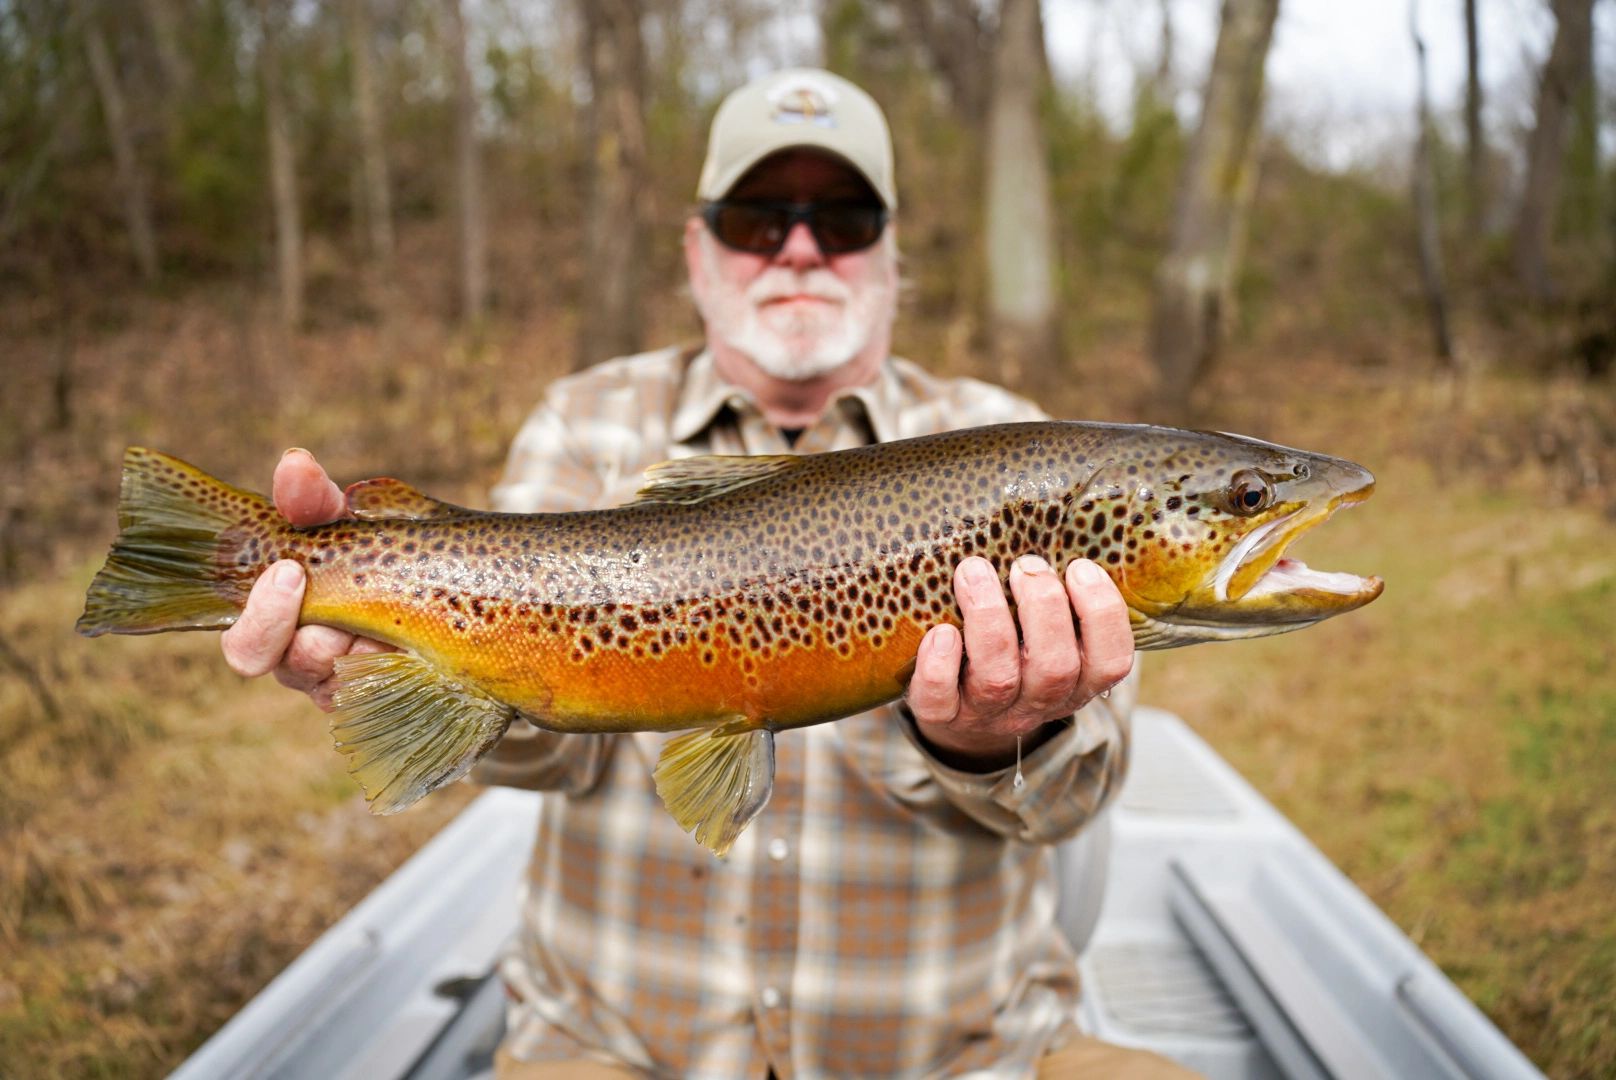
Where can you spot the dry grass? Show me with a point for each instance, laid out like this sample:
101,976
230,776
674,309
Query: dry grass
170,841
170,836
1452,747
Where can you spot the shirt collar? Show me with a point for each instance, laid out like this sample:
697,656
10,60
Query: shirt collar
706,394
701,397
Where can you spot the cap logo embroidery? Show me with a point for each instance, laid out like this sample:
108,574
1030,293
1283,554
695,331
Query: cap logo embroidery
806,101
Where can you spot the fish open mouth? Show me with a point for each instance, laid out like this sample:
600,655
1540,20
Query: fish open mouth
1258,574
1293,575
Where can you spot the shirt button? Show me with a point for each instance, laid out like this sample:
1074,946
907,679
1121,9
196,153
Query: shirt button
770,997
779,849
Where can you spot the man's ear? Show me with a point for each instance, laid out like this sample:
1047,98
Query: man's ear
695,271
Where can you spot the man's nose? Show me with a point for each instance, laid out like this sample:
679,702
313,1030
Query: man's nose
801,250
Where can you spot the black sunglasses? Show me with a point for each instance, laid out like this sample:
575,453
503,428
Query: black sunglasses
760,228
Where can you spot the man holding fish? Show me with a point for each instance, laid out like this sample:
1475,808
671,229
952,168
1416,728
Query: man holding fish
890,911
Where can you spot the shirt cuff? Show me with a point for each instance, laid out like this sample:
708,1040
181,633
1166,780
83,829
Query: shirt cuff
1066,780
527,756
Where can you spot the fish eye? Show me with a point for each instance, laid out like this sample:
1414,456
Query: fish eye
1250,492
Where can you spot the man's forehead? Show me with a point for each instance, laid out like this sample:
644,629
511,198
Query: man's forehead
800,174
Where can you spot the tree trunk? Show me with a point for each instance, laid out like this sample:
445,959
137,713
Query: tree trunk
1195,280
131,180
1019,214
1475,139
170,57
468,174
282,171
1582,199
959,50
1425,208
610,323
376,204
1163,79
1564,73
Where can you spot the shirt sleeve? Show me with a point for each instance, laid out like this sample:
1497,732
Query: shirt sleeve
1066,781
550,469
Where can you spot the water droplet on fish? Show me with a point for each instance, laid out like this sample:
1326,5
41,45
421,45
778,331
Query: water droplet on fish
1019,781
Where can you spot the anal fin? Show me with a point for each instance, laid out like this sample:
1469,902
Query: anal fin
407,728
715,781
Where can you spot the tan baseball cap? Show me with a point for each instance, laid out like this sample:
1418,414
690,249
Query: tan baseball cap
798,107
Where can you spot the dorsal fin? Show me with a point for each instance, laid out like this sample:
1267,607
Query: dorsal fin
697,479
384,499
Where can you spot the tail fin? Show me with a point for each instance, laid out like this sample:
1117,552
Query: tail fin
172,566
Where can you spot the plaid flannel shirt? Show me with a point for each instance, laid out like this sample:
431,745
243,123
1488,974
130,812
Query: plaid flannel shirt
884,916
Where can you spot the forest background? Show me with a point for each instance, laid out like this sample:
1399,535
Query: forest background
377,228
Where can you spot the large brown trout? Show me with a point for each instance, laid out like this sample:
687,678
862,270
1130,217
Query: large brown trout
736,597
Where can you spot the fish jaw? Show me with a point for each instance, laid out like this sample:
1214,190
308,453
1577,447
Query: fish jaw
1257,590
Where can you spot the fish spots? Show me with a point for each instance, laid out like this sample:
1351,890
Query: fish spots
839,556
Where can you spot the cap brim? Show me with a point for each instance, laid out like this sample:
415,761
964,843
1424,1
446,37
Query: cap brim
809,138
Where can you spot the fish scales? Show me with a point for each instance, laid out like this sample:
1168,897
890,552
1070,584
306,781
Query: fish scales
737,597
794,600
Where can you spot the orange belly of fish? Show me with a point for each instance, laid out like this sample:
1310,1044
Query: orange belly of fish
695,685
565,685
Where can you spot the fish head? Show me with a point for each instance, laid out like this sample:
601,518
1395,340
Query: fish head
1210,518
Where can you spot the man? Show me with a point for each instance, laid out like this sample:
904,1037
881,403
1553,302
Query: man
890,912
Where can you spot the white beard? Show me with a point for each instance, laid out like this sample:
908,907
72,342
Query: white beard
794,342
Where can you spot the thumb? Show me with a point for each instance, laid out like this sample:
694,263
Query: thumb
255,645
304,494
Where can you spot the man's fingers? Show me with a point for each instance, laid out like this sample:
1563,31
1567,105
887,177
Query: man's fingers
992,650
1051,664
255,644
933,693
311,664
311,656
1107,638
304,494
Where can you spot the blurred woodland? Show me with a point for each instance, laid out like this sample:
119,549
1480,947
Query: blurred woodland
377,228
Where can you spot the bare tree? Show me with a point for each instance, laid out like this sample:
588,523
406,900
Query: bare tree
282,168
1195,280
1475,140
615,60
996,72
1564,74
120,133
1019,212
1425,208
468,173
171,58
958,46
1162,81
376,204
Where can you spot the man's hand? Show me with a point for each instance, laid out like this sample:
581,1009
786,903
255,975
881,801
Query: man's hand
266,637
1009,687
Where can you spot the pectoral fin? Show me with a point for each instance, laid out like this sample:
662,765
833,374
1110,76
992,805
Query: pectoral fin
408,728
715,781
